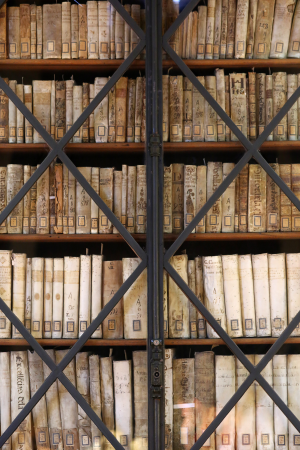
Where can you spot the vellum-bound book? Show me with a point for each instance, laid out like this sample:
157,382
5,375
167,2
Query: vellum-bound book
177,197
190,180
279,100
5,397
293,365
257,199
68,406
283,15
285,171
111,115
28,301
14,183
264,410
280,384
101,112
14,47
217,30
93,31
238,102
141,199
58,289
241,28
273,202
293,287
192,308
245,409
231,24
104,29
247,295
77,110
71,297
28,103
39,32
112,276
278,297
176,108
107,396
263,29
83,387
214,215
184,406
220,80
95,393
5,287
37,297
296,191
131,98
66,30
269,104
205,398
140,376
97,264
165,305
20,117
224,28
18,289
210,115
168,379
42,204
71,204
232,295
198,113
85,292
121,120
123,402
251,28
3,225
117,200
294,40
95,177
39,412
41,91
178,302
225,388
12,115
131,199
213,292
210,27
228,201
69,105
261,294
26,201
82,40
292,126
135,302
52,27
74,31
83,204
167,199
199,291
106,194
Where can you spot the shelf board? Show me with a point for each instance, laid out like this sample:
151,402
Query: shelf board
242,64
238,341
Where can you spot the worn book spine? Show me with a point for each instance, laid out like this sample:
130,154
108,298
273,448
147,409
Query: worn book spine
52,109
136,15
192,310
296,191
184,403
139,109
77,111
257,208
143,128
210,28
41,91
224,29
168,385
228,201
14,182
167,199
242,10
93,30
127,31
33,31
124,195
230,265
135,302
177,197
26,201
3,225
96,295
5,398
201,196
264,410
28,299
57,293
140,375
269,103
101,112
25,31
210,116
74,32
187,110
217,30
242,194
33,192
238,102
141,199
293,365
261,294
283,15
104,29
190,186
71,297
112,115
119,36
58,170
37,297
131,199
94,207
42,204
117,200
293,287
251,28
130,109
28,104
14,46
83,204
188,35
12,114
18,289
69,104
82,38
294,47
285,171
237,205
83,387
106,194
91,116
231,25
85,292
65,199
292,116
39,32
95,394
227,106
20,117
214,215
247,108
66,30
52,31
225,388
107,397
3,32
201,323
123,402
273,202
60,109
112,276
48,298
247,295
6,288
121,99
178,302
220,83
176,108
165,305
71,204
198,113
263,29
202,18
252,105
278,294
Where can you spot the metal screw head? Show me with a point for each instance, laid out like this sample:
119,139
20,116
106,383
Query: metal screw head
156,342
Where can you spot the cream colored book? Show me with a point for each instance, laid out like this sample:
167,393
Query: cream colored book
42,204
52,31
242,10
177,197
39,412
285,171
261,294
167,199
20,396
3,181
127,31
292,128
41,91
13,185
107,195
279,99
28,301
264,410
93,31
238,103
71,297
278,294
184,403
83,204
85,293
214,299
199,291
230,265
224,29
176,108
231,25
165,304
119,36
293,364
205,398
5,397
131,199
83,387
198,113
91,116
82,39
141,199
140,376
190,186
68,405
117,201
217,30
273,202
12,115
247,295
4,32
101,112
168,379
214,215
121,96
280,385
104,29
201,196
66,30
283,15
69,104
123,402
139,109
26,201
95,393
192,309
37,283
257,198
57,293
210,115
135,302
94,207
39,32
28,131
74,32
18,289
225,388
220,80
107,397
14,42
228,201
293,287
77,110
245,409
71,204
178,302
6,288
202,18
294,45
112,115
251,28
263,29
112,281
20,117
131,97
187,110
96,299
210,28
124,194
60,109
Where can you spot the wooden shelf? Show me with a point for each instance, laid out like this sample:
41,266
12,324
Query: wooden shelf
238,341
239,64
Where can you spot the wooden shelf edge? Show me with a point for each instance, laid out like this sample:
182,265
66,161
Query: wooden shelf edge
71,342
238,341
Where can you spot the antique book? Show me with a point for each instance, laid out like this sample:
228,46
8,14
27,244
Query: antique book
257,199
190,187
33,191
91,116
273,201
77,110
93,31
245,409
83,387
252,105
20,396
52,31
26,200
139,108
224,29
82,40
176,108
4,110
136,15
71,204
283,15
217,30
33,31
37,281
95,393
121,96
39,32
12,114
95,178
220,81
28,132
117,201
261,294
123,402
3,225
237,204
5,398
25,30
83,204
28,299
243,199
210,115
202,18
294,47
184,406
143,127
130,109
231,282
187,36
292,128
293,365
52,109
140,376
214,215
178,302
119,36
210,28
20,117
112,276
69,104
124,195
14,182
58,296
71,297
127,31
269,103
60,109
104,29
228,201
251,28
279,99
58,170
112,115
85,293
167,199
131,199
107,396
205,399
231,25
278,295
3,32
242,10
68,405
201,196
280,385
173,10
14,42
247,295
74,32
66,30
101,112
285,171
39,412
199,291
293,287
187,110
18,262
65,199
263,29
107,195
198,113
165,304
97,292
192,310
238,103
225,388
168,379
227,106
213,292
135,302
42,203
41,91
264,410
141,199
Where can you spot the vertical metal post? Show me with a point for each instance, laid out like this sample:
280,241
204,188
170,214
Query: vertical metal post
154,160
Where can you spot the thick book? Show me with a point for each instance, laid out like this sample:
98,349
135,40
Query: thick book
264,410
231,283
176,108
263,29
177,197
37,283
214,215
247,295
112,281
97,291
6,290
178,302
293,287
18,289
283,15
257,194
261,294
278,294
107,396
85,293
140,377
14,47
123,402
41,91
83,387
280,385
52,31
71,297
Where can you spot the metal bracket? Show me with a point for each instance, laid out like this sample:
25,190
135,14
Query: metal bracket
156,368
155,144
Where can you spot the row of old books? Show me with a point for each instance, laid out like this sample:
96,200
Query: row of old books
116,391
68,31
57,203
120,117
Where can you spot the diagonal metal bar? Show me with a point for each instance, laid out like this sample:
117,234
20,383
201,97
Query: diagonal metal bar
127,17
182,16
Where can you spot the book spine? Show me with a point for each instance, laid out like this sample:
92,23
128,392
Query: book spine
192,310
19,289
112,115
247,295
252,105
37,297
91,116
41,106
202,18
42,204
12,114
28,301
293,47
228,202
127,31
25,31
83,387
187,110
93,30
33,192
69,105
225,388
293,291
141,199
190,179
220,81
82,19
273,202
28,104
251,28
165,304
293,364
242,11
257,208
94,206
26,201
95,393
14,41
139,109
227,106
198,113
106,194
117,200
140,375
85,292
269,103
177,198
66,30
119,36
33,31
168,385
201,196
167,199
48,298
210,28
3,180
39,32
136,15
283,15
263,29
60,109
261,294
104,29
85,104
285,171
5,398
124,194
77,110
143,127
247,108
178,302
210,115
277,286
201,323
52,31
123,402
232,295
107,397
296,191
130,110
72,204
74,32
217,31
65,199
176,108
131,199
83,204
71,297
121,98
112,275
264,410
237,211
214,215
14,184
238,103
58,293
96,295
20,117
3,33
231,29
242,194
292,129
101,112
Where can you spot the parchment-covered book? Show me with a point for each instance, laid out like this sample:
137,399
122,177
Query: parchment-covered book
123,402
178,302
52,31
